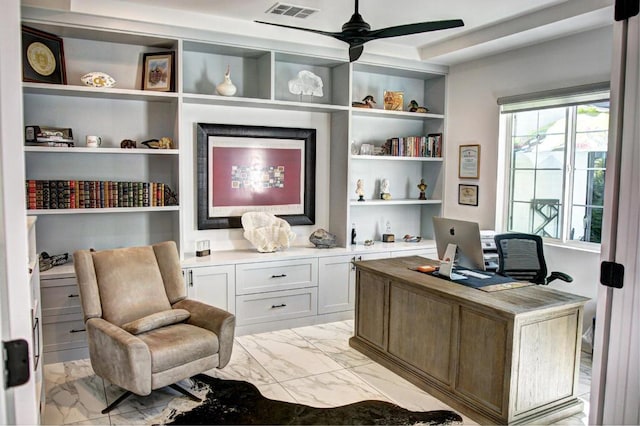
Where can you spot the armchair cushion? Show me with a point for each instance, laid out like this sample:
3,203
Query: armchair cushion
130,284
177,345
157,320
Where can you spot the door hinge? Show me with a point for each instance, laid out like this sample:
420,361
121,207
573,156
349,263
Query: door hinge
611,274
16,362
625,9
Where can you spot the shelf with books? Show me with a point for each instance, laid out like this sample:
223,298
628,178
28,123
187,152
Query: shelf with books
43,212
394,158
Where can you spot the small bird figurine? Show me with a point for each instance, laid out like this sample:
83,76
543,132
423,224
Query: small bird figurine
367,102
414,107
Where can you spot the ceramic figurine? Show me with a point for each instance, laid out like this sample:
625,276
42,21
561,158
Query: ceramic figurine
226,88
414,107
367,102
384,189
360,190
422,187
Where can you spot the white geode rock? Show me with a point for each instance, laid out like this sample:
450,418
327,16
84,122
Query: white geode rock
267,232
306,83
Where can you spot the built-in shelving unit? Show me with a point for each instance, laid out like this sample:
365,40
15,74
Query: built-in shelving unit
114,114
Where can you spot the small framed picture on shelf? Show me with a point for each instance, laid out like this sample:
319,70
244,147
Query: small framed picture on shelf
469,162
393,101
158,71
468,195
42,57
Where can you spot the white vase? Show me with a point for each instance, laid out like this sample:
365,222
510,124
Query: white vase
226,88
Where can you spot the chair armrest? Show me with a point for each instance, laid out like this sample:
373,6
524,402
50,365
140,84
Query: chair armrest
119,356
217,320
559,275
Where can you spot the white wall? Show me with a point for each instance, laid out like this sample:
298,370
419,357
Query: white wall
473,118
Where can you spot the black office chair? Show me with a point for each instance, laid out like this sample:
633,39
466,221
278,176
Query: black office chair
520,256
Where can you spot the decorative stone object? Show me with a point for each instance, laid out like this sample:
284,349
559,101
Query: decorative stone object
307,83
322,239
98,79
267,232
227,88
128,144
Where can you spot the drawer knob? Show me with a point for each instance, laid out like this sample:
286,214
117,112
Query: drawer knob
74,295
279,276
74,330
282,305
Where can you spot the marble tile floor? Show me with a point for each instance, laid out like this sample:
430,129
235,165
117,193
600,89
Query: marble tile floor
310,365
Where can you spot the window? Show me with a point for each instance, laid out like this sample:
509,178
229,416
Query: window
557,151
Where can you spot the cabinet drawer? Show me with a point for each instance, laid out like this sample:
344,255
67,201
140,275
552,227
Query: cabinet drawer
277,305
273,276
60,300
63,332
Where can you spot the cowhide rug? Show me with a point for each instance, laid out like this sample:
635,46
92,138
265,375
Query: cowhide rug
240,403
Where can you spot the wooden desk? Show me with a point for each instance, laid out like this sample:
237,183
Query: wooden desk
511,356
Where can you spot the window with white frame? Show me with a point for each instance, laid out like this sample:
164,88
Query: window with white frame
556,150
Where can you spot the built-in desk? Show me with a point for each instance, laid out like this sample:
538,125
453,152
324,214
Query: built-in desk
510,356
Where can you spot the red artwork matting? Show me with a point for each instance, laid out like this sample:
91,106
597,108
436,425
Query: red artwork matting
256,176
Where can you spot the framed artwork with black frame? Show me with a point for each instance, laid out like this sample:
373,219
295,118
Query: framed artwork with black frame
467,195
158,71
255,168
42,57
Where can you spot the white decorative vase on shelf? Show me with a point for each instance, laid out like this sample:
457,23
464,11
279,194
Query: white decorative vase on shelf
226,88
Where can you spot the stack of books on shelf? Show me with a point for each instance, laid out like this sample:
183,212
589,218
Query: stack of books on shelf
414,146
84,194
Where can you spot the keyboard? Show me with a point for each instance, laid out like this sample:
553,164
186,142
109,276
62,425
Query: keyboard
473,274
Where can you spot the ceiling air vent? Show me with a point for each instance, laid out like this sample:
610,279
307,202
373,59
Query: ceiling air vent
291,10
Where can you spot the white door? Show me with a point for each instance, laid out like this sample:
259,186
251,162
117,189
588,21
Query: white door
18,404
615,391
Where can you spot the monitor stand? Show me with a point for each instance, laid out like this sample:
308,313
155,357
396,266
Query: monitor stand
447,263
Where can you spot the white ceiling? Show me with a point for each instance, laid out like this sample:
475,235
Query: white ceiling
491,26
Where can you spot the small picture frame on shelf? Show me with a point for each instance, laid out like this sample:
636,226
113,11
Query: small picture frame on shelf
468,195
42,57
158,71
393,100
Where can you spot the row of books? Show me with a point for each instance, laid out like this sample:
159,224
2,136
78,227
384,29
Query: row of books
84,194
414,146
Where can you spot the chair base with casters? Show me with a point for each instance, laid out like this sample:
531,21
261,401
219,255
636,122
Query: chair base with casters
521,256
143,333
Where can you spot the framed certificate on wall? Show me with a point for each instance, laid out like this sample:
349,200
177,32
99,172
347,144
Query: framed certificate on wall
469,162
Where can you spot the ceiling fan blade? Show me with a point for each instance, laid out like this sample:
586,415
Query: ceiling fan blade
355,51
327,33
422,27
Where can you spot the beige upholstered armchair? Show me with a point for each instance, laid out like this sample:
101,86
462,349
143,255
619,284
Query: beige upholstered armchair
143,332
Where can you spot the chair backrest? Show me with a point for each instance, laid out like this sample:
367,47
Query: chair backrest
521,256
125,284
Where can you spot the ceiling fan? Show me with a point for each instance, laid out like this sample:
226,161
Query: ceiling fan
356,32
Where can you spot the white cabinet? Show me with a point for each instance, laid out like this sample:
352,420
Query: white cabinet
36,311
336,284
337,281
63,330
276,290
214,285
430,253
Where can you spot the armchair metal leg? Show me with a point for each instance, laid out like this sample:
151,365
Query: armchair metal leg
115,403
185,392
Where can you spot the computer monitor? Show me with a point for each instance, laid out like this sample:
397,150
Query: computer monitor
465,235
